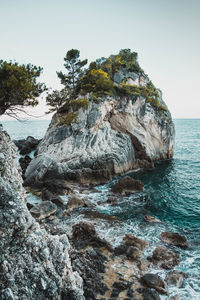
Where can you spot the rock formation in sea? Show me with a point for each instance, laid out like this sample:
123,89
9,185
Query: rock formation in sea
102,134
33,263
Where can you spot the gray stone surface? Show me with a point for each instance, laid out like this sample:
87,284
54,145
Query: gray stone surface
33,264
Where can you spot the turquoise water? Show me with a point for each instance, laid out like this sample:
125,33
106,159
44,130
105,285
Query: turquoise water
172,194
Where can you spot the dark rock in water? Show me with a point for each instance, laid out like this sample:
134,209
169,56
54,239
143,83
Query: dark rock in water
24,162
84,234
49,196
28,145
151,219
127,185
154,281
174,239
111,201
75,202
43,210
59,187
131,240
150,294
90,265
164,258
176,278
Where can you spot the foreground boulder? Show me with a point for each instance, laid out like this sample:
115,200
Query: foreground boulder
174,239
103,135
165,258
127,185
154,281
33,264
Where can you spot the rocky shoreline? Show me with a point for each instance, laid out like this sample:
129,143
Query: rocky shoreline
105,271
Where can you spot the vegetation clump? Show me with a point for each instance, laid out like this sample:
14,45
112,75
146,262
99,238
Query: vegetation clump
18,87
98,82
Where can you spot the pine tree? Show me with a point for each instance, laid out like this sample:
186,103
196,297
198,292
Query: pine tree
74,66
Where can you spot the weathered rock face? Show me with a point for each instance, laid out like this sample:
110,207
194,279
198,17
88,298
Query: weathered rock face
111,137
33,264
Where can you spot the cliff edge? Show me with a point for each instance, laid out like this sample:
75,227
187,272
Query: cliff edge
33,264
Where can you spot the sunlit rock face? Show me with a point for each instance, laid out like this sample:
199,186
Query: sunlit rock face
110,137
33,264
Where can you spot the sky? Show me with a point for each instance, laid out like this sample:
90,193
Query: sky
164,33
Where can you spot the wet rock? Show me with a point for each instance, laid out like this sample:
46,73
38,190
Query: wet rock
133,253
154,281
90,265
84,234
151,219
150,294
131,240
174,239
127,185
27,145
176,278
58,187
43,210
49,196
75,202
24,162
164,258
111,201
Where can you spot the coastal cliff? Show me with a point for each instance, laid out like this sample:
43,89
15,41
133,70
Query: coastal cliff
33,263
104,134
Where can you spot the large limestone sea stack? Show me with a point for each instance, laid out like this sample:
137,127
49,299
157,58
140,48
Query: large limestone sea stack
119,122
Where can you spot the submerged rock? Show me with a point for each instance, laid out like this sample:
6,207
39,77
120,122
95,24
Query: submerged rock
127,185
165,258
174,239
151,219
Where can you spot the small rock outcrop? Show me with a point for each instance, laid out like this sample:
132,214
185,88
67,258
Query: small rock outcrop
33,264
174,239
154,281
127,185
101,136
164,258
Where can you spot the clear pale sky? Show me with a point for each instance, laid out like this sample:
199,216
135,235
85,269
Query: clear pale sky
165,33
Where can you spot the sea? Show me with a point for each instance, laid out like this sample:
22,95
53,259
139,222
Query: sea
171,194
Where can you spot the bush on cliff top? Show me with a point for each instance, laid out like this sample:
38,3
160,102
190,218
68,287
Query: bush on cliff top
97,81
